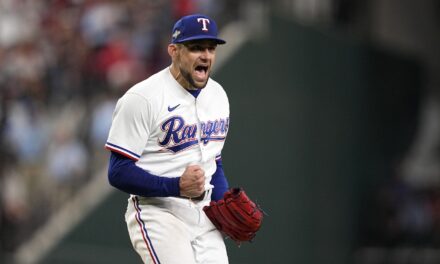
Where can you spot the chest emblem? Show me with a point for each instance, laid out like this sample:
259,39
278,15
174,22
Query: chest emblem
178,135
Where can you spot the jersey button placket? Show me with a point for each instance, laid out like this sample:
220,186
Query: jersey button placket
199,129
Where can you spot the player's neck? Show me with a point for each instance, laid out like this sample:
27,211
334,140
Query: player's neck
175,72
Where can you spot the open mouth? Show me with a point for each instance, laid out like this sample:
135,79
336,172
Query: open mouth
201,69
201,73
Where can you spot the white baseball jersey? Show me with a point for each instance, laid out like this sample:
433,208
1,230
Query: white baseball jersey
164,128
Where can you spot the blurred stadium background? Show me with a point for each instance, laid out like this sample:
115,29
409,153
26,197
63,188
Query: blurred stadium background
335,124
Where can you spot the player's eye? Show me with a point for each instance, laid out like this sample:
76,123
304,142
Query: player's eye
195,48
199,48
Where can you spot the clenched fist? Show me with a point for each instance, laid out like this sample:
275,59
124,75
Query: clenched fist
192,181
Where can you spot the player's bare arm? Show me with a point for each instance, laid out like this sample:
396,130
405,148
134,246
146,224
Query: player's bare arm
192,181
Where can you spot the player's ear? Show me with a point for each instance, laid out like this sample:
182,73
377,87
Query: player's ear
172,50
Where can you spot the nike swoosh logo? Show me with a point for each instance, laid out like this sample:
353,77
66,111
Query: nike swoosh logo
170,109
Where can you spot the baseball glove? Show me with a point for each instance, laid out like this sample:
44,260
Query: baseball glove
236,216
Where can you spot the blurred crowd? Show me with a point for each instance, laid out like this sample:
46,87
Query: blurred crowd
63,64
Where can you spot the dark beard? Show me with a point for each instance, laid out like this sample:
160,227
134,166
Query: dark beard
187,76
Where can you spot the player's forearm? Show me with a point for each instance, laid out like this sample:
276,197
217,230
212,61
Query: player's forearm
219,181
124,175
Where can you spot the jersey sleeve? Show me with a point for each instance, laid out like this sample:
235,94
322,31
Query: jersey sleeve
219,181
130,127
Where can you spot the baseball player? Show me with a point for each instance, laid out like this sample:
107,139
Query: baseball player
166,139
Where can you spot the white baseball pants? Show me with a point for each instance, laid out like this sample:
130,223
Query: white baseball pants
173,231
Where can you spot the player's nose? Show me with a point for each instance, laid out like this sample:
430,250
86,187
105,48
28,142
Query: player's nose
206,54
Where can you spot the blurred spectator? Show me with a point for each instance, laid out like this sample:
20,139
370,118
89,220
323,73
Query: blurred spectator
26,131
101,121
183,7
99,21
67,164
18,21
15,209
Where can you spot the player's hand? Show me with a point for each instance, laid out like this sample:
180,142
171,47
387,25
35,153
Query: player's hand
192,181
